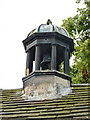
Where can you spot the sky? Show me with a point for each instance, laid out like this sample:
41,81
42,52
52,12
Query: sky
17,19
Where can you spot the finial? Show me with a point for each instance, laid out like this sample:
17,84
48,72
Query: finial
49,22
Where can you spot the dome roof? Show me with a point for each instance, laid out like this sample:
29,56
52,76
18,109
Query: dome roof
49,27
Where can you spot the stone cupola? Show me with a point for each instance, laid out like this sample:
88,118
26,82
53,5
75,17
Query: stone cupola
47,46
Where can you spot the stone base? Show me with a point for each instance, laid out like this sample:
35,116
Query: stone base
41,85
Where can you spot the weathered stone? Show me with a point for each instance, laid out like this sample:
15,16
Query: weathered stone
43,86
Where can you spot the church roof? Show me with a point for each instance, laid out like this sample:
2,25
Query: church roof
74,105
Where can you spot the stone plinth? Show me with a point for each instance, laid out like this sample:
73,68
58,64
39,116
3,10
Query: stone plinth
48,84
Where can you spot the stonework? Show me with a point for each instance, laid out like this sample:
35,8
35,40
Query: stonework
46,87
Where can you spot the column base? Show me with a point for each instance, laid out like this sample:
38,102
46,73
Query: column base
47,84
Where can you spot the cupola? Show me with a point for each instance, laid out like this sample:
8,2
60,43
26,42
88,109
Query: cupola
47,46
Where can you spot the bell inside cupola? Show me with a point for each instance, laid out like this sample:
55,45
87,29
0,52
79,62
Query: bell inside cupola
46,59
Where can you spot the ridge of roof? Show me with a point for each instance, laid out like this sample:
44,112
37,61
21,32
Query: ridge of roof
82,84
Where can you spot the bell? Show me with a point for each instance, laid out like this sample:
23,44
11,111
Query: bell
46,62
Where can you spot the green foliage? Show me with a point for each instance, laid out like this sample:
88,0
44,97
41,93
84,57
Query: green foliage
62,67
78,1
78,28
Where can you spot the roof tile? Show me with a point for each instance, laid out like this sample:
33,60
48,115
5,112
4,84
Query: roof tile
73,105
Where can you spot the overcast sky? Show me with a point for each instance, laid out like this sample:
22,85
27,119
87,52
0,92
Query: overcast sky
17,19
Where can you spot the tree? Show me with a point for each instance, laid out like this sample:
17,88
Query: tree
78,1
78,28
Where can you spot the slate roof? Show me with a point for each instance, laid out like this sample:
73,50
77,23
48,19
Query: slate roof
75,105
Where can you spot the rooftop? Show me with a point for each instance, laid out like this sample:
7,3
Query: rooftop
74,105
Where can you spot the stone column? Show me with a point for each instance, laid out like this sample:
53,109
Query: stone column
66,62
37,58
53,58
28,63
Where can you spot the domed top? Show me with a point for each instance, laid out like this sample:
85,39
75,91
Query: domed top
49,27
